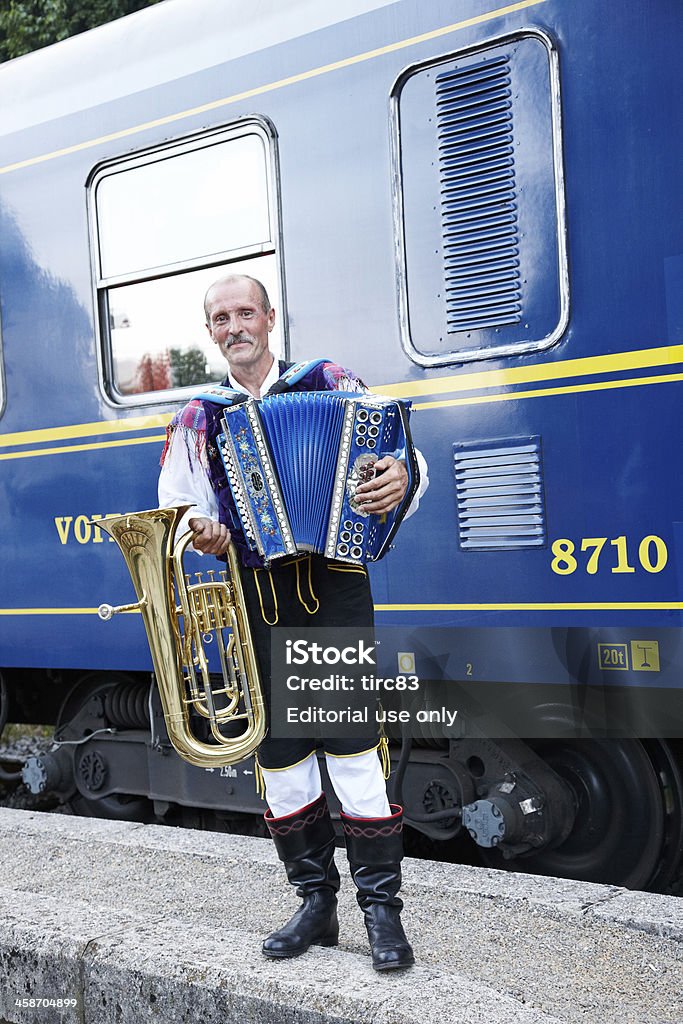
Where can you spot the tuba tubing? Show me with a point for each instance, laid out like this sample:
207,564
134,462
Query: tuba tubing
154,560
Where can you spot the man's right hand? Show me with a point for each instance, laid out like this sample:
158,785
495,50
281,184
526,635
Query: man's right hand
209,537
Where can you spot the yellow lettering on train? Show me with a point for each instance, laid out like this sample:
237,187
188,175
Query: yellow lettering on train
83,528
97,533
653,555
63,524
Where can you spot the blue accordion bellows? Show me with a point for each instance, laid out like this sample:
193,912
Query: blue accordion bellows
294,461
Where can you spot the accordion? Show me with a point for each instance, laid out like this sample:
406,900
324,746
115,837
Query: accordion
293,463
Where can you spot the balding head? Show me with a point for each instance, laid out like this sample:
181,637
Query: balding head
263,299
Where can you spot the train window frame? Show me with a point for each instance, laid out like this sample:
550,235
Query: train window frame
514,348
224,260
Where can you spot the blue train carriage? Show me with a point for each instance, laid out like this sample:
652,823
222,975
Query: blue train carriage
473,206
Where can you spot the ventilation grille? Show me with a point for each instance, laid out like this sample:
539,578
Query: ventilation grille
499,488
478,197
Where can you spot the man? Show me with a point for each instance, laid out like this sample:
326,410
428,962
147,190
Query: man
306,591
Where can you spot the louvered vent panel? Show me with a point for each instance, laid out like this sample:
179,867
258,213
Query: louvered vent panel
478,196
499,488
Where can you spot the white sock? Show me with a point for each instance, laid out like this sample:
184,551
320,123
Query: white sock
290,789
359,783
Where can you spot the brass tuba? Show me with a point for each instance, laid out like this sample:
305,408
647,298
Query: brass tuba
180,618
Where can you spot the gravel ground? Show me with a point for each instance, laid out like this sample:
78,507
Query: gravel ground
17,743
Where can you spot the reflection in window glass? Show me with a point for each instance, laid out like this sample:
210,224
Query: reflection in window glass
189,205
168,224
158,335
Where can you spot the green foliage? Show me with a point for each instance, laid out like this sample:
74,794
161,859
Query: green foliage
27,25
188,367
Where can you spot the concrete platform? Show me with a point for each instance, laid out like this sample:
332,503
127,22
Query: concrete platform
140,923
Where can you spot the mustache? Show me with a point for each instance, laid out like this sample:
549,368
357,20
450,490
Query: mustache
234,339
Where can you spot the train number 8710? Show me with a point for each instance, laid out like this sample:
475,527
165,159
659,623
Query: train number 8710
619,557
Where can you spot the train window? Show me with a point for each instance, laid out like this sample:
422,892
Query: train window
480,207
166,224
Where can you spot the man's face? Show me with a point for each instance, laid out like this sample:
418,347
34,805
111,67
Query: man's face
238,324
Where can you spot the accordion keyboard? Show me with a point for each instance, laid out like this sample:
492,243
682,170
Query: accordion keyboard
294,461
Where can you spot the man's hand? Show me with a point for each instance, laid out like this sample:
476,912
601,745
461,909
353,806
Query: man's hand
209,537
386,490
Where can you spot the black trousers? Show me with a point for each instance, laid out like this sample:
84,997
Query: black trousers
309,591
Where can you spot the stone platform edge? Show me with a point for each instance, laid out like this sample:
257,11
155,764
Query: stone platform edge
115,960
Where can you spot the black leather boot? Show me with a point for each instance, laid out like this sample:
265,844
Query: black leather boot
375,850
304,842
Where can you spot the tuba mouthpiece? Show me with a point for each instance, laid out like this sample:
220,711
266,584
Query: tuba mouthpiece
106,611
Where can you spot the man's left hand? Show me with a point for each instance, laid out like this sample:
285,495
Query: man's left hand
386,490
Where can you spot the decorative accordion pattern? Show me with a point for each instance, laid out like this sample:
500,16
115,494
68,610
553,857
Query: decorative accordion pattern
294,461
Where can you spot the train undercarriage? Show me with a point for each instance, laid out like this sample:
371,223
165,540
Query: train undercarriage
602,809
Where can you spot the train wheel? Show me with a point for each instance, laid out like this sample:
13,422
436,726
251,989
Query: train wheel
82,709
667,758
627,829
82,714
619,827
116,807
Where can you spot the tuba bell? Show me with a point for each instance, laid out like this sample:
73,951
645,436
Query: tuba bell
181,619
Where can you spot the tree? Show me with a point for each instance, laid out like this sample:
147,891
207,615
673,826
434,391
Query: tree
188,367
152,374
27,25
